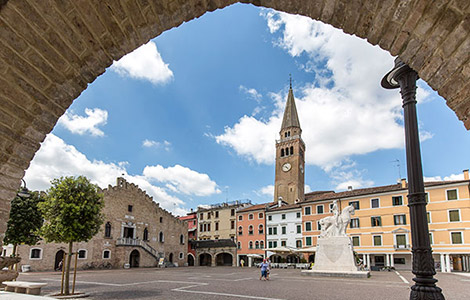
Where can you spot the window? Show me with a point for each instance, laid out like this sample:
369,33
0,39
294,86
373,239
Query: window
106,254
399,219
256,245
399,261
426,196
319,209
377,240
397,200
318,225
107,230
400,240
299,228
376,221
282,152
240,218
308,226
354,223
250,217
240,230
283,230
283,216
161,238
274,230
201,228
209,227
250,245
261,244
239,245
260,215
35,253
260,229
182,239
454,215
217,214
299,215
232,224
283,243
250,230
270,218
308,241
270,231
146,234
331,207
181,255
216,225
275,244
307,210
129,208
456,237
201,216
291,150
354,204
270,244
298,244
232,212
209,215
205,227
82,254
355,241
452,194
430,238
428,216
374,203
161,219
194,222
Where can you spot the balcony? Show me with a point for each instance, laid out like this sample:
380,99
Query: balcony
402,247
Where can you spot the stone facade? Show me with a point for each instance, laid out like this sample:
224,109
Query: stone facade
51,51
136,231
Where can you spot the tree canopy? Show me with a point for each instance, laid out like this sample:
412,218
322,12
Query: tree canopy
72,210
25,221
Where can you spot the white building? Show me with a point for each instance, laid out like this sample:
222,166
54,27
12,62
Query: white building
284,229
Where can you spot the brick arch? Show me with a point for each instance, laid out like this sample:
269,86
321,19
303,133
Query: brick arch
51,50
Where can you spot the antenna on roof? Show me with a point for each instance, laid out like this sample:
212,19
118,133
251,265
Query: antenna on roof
397,161
290,80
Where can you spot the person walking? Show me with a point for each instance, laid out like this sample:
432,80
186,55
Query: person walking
264,270
242,262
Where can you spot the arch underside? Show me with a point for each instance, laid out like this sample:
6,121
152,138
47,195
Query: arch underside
51,50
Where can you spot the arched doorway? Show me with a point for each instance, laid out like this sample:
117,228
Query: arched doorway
205,259
134,259
276,259
59,256
223,259
170,257
311,258
190,260
292,259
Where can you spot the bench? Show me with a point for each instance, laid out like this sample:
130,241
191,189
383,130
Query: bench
24,287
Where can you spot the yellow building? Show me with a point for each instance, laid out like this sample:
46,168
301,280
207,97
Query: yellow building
380,228
218,221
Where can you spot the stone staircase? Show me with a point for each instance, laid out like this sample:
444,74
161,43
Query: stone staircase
139,243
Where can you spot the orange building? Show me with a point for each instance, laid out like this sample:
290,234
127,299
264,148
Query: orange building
251,234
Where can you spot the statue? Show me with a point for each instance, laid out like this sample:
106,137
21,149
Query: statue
336,225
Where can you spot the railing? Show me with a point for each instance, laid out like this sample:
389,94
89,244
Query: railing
139,243
402,247
289,138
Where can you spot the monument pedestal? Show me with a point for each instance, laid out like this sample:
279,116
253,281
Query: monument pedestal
335,258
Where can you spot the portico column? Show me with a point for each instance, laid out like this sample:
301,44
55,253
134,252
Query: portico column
387,264
392,263
443,263
368,261
447,263
250,261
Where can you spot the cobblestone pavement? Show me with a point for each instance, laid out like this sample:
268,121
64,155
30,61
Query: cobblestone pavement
237,283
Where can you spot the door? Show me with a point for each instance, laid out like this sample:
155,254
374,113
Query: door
134,259
59,256
379,260
128,233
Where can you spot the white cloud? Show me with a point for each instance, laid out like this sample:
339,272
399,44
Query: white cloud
144,63
183,180
154,144
85,125
446,178
344,112
55,158
252,93
267,190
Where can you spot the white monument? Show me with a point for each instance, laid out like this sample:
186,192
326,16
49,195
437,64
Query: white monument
335,255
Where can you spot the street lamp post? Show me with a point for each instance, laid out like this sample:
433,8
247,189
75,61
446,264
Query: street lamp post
403,77
24,192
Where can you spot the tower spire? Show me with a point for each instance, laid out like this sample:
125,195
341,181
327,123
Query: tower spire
290,119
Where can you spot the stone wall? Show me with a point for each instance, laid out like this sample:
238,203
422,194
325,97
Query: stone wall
51,50
145,214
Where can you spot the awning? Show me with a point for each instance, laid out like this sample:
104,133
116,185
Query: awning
254,255
281,249
307,250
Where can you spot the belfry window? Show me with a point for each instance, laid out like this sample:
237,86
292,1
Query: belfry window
291,150
287,151
282,152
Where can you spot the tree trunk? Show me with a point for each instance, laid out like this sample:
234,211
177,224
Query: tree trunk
67,270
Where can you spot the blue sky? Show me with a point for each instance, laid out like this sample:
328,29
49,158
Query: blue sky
192,116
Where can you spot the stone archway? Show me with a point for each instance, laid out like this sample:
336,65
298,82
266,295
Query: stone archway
190,260
134,259
58,261
51,51
205,259
224,259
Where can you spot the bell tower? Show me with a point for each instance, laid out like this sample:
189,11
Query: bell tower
290,156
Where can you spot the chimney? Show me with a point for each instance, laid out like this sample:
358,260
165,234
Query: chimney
279,201
350,188
465,175
403,182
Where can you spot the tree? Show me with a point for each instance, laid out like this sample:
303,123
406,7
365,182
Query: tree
72,213
24,222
